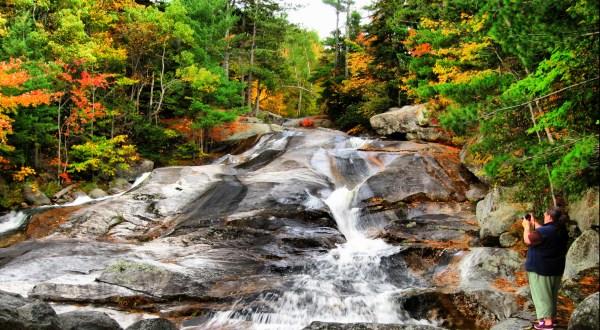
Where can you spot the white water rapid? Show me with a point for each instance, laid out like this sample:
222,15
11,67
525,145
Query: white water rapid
350,283
17,219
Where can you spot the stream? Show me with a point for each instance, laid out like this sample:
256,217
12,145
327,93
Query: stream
307,225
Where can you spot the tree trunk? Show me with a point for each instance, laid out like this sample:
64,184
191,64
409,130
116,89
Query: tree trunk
337,38
300,102
257,101
162,86
532,113
348,3
151,104
252,49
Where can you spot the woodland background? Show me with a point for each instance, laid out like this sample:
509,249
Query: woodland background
89,85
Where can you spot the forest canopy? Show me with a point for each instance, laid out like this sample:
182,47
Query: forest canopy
89,85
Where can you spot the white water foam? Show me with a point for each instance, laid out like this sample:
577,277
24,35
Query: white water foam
350,283
346,285
12,220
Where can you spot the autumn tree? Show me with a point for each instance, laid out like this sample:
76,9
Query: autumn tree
13,97
512,75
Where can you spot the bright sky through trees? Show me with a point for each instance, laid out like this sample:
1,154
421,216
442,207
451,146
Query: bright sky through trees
320,17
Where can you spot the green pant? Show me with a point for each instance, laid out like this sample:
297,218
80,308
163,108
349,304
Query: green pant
544,291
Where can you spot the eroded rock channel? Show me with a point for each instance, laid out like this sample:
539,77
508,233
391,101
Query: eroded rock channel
308,227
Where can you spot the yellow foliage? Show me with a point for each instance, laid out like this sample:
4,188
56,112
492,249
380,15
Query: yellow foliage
24,172
427,23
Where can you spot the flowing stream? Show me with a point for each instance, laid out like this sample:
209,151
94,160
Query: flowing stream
349,284
15,220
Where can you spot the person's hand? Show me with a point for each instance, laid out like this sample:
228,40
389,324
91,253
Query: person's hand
526,224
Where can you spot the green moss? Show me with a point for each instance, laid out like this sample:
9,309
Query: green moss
122,266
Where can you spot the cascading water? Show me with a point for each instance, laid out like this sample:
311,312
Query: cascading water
349,284
18,219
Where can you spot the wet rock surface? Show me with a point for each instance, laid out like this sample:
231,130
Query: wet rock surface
366,326
191,242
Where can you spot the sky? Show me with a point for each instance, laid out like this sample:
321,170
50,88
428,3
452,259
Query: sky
315,15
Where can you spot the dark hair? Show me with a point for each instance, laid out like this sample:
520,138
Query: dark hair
559,217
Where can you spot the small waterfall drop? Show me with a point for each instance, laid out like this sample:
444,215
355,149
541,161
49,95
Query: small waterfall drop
12,221
349,284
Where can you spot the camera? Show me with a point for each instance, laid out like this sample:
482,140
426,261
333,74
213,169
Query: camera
527,217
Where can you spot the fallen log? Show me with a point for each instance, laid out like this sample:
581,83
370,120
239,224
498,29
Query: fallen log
59,194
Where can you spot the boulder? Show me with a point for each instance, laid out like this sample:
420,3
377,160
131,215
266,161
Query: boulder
482,272
271,118
581,269
585,211
34,196
134,170
412,121
586,315
97,193
400,120
438,224
484,265
471,162
247,127
17,312
310,121
496,214
153,324
508,240
78,194
512,324
151,280
87,320
117,185
420,176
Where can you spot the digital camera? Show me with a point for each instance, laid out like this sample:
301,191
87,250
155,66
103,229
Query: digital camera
527,217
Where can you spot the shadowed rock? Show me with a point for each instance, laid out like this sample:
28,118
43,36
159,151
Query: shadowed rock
19,313
153,324
87,320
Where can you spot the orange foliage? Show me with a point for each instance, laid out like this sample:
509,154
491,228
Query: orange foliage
565,309
12,77
181,125
360,78
221,132
82,94
271,101
420,50
308,123
11,74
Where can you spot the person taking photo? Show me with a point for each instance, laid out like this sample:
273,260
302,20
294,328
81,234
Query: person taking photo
545,263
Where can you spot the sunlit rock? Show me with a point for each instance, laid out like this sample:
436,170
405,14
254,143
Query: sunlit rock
585,210
586,314
412,122
582,266
34,196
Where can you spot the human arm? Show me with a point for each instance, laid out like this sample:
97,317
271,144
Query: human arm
530,237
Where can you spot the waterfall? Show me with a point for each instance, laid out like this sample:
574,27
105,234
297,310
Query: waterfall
348,284
12,221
